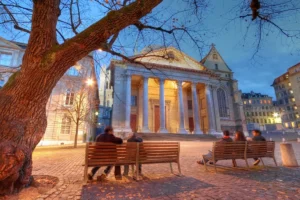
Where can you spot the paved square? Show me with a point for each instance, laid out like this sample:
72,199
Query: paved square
159,183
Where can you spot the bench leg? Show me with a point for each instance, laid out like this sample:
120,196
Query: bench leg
132,169
137,172
85,174
215,165
262,162
205,163
246,160
275,161
171,168
179,169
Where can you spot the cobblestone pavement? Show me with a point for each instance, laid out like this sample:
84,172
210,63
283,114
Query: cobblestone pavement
159,183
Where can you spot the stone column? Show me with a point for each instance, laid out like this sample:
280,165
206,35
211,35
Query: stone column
162,106
145,128
197,129
216,108
181,108
210,109
128,103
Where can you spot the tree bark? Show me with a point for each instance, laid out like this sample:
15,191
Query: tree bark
76,133
23,99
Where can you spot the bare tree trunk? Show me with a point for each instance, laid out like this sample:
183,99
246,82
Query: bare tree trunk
23,123
76,133
23,99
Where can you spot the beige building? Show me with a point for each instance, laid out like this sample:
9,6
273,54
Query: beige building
287,89
260,109
76,87
173,93
105,88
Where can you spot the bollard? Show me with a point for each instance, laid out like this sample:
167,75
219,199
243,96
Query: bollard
288,155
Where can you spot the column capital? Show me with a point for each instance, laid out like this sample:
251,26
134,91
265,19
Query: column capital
145,76
194,83
162,79
128,73
211,86
179,83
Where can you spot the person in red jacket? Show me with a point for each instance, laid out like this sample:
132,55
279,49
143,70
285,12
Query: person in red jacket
107,136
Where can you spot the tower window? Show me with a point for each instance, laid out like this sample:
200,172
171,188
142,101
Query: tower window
216,66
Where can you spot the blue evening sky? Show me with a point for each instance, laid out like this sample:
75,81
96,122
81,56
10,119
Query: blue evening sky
276,55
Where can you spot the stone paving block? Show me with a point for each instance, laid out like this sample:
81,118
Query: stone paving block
159,183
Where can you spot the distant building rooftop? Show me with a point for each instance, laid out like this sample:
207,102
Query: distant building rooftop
253,95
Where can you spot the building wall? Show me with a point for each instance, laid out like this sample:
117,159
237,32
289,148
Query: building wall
287,90
75,78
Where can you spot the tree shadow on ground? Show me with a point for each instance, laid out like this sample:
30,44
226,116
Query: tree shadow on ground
144,189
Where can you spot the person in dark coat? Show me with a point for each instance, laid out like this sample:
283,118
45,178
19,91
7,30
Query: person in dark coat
258,138
133,138
107,136
226,138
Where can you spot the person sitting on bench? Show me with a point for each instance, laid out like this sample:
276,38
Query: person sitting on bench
133,138
226,138
107,136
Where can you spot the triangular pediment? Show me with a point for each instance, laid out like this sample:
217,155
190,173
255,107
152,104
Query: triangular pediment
214,61
169,56
7,44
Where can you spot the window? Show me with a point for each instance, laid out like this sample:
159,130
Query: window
133,100
269,121
216,67
5,58
1,81
69,97
65,125
265,121
245,102
222,103
250,101
259,113
72,72
257,121
215,56
252,113
255,113
262,107
106,85
190,104
264,114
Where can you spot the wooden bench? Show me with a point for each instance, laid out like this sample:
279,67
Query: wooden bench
106,154
264,149
240,150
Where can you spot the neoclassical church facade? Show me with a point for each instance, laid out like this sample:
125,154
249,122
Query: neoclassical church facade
170,92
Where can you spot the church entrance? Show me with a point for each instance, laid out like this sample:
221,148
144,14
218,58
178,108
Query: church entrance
157,118
191,124
133,124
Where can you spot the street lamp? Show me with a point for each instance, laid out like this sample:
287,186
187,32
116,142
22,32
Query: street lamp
275,114
90,82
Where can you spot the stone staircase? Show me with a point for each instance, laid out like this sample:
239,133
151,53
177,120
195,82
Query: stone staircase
175,137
